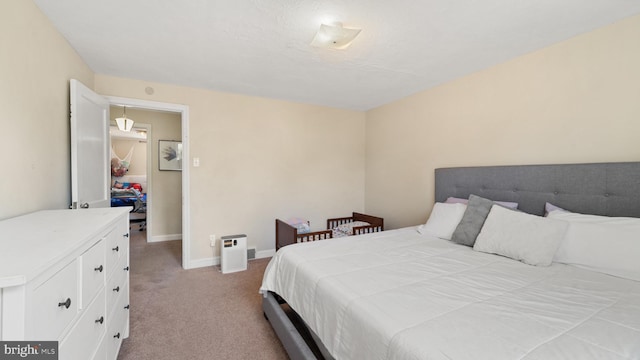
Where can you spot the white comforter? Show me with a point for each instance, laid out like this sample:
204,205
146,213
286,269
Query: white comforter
402,295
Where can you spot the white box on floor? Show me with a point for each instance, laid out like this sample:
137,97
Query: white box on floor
233,253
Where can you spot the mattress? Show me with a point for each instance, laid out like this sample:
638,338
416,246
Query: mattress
402,295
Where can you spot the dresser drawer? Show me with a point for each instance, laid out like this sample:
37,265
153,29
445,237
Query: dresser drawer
115,244
84,338
93,272
55,303
101,353
124,304
116,286
116,331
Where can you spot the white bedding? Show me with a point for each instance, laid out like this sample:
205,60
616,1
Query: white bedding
402,295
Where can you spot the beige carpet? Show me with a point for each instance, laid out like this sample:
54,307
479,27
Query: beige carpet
194,314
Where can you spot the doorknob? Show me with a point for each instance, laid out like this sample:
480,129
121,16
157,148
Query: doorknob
84,205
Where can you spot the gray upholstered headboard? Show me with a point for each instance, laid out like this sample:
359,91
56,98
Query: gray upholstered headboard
611,189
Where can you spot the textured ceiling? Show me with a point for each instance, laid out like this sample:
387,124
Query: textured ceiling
261,47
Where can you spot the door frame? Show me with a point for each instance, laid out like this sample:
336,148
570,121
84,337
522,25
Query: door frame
186,199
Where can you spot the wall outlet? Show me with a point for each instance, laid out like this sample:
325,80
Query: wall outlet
212,240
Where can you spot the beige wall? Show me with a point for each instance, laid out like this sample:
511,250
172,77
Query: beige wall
166,186
577,101
138,164
36,64
261,159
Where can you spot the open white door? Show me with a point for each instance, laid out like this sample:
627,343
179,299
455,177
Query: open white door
90,163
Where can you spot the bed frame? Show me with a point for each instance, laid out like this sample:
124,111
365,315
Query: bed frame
610,189
287,234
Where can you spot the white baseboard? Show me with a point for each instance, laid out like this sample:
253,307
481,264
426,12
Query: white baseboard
159,238
265,253
215,261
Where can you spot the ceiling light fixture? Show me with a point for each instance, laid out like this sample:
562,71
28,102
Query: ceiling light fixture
334,36
123,123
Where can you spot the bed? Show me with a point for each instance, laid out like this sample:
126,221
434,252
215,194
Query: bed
402,294
356,224
130,190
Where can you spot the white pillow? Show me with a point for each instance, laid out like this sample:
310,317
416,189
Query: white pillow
549,207
443,220
520,236
610,245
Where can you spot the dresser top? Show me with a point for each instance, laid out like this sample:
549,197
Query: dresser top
32,243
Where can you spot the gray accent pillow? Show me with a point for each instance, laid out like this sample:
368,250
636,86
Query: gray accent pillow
469,227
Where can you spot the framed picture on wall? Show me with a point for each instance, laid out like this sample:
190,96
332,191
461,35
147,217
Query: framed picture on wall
169,155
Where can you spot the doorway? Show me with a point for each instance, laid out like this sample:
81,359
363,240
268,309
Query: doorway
133,148
183,113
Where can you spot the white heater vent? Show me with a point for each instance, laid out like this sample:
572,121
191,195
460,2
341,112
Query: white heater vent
233,253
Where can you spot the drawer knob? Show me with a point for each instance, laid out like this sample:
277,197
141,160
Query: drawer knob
117,248
125,235
126,269
66,304
101,320
126,307
116,336
116,289
99,268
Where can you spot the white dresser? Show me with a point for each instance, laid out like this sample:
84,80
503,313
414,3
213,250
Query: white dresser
64,276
